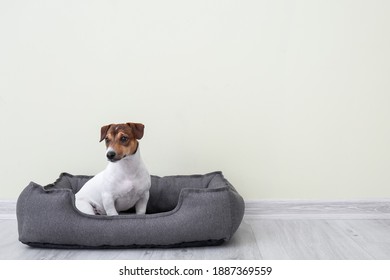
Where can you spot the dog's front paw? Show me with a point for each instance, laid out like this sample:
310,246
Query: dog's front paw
112,213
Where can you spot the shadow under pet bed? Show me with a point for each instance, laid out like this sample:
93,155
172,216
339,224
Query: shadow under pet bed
183,211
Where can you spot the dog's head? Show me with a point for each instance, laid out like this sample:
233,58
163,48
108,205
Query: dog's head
121,139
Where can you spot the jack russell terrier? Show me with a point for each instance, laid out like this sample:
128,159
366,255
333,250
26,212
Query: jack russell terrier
125,182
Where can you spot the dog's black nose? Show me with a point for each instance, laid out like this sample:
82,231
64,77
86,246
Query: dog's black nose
111,155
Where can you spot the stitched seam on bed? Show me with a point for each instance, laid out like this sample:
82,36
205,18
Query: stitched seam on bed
230,208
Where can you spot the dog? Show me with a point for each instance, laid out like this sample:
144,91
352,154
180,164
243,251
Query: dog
125,182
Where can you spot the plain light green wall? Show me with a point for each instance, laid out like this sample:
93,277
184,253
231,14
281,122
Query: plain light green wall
290,99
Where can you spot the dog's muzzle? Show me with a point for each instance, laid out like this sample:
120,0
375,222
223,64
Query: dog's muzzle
112,156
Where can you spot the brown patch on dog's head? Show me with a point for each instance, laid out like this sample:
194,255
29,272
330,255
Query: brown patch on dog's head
121,139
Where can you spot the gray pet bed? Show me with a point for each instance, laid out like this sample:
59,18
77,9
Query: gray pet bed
197,210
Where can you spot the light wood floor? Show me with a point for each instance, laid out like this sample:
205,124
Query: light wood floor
272,230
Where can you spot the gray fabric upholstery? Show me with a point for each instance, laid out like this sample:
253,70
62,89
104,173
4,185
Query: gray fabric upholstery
196,210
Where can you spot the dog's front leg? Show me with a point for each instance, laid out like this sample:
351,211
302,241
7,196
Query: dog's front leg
109,204
140,206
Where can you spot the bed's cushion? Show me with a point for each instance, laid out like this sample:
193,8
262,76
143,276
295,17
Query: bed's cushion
194,210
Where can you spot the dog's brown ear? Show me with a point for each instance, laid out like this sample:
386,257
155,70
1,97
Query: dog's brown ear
138,129
103,132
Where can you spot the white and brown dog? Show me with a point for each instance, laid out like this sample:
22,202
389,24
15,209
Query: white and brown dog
125,182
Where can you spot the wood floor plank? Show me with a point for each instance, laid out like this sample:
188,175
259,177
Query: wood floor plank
373,236
271,241
304,240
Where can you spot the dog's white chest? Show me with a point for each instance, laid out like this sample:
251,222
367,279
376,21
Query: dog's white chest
127,189
118,188
126,194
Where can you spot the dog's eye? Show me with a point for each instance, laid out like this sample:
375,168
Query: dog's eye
107,140
124,139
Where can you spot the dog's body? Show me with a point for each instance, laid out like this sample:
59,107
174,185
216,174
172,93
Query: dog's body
125,182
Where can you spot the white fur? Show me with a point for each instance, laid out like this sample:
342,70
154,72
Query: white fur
109,149
120,186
